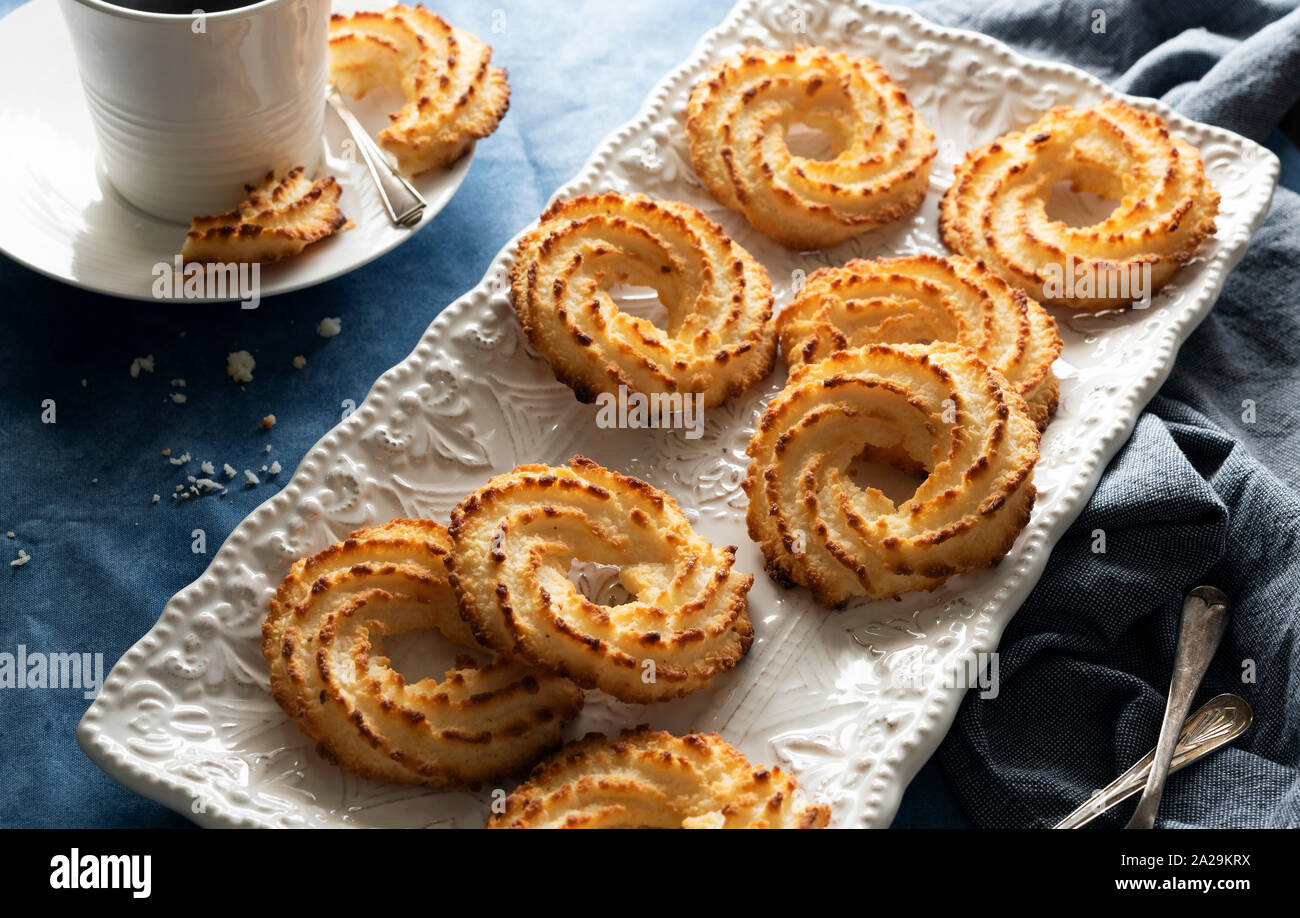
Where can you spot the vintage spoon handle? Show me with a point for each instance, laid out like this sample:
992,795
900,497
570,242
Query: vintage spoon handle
404,204
1205,617
1221,720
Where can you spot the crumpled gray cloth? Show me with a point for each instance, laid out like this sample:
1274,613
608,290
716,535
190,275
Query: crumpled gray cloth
1201,493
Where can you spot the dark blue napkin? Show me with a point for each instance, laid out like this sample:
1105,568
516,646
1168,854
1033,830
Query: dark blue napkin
1204,491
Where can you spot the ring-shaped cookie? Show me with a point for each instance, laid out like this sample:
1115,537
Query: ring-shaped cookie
652,779
322,640
996,209
515,541
934,407
718,338
453,94
738,121
922,298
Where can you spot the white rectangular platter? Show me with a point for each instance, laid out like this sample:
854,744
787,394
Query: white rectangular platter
853,701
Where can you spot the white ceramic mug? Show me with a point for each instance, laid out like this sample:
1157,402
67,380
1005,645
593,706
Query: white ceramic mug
189,108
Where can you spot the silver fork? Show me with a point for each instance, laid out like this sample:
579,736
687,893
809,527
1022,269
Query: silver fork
404,204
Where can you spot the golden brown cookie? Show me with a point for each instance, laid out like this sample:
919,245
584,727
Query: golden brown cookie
323,642
718,338
937,408
652,779
996,208
453,95
738,118
921,298
277,220
515,539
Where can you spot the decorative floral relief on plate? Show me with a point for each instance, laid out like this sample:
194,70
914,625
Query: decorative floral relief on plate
853,701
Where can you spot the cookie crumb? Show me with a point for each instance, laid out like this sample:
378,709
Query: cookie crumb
240,365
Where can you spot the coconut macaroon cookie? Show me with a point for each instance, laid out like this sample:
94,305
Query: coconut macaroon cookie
323,642
934,407
453,94
652,779
279,218
718,338
996,208
922,298
738,118
515,539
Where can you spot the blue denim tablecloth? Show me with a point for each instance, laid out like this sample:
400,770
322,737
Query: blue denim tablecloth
1196,491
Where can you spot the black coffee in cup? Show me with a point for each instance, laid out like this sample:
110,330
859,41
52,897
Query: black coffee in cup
182,7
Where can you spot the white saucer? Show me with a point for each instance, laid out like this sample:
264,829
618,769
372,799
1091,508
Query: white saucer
61,217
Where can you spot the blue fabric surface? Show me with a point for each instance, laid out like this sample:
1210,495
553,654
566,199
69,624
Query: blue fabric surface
104,560
1202,492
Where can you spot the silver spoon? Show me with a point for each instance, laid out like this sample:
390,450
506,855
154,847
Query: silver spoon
1221,720
1205,616
404,204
